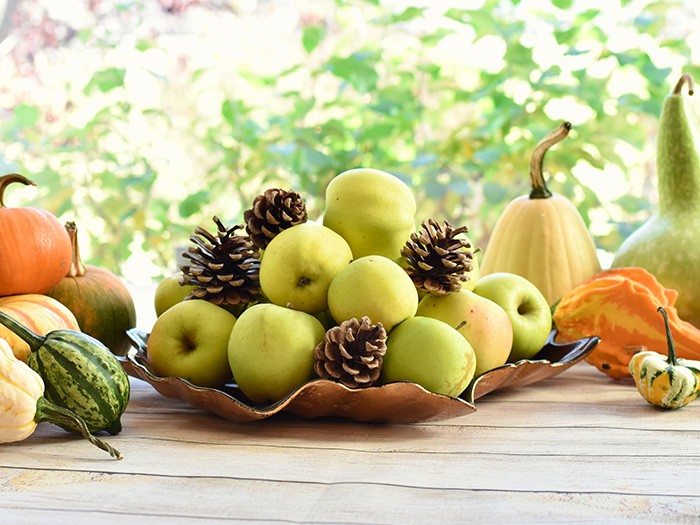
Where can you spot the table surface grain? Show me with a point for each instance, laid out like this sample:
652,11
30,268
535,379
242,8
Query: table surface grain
576,448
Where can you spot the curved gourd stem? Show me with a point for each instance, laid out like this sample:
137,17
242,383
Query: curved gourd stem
685,79
672,360
77,268
539,187
5,180
47,411
35,341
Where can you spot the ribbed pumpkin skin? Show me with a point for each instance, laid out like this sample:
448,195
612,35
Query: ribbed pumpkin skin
102,305
34,249
40,313
545,241
84,378
20,388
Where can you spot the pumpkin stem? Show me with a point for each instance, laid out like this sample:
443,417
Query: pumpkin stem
685,79
539,187
35,341
52,413
5,180
77,268
672,360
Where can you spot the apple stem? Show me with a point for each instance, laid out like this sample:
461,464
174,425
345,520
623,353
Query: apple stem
538,186
685,79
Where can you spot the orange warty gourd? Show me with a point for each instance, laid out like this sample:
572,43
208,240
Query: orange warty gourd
35,249
99,300
620,305
39,313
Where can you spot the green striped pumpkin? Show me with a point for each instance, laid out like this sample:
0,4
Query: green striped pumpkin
80,374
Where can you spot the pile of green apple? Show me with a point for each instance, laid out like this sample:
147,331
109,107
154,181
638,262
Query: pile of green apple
345,265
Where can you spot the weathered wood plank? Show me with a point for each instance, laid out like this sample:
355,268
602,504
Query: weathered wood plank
542,459
138,498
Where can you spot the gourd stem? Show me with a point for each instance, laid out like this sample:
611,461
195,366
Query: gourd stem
77,268
672,360
52,413
35,341
5,180
685,79
538,186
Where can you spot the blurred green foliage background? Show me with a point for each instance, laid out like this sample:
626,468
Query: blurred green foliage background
142,120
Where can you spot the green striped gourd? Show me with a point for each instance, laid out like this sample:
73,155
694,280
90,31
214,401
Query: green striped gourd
80,374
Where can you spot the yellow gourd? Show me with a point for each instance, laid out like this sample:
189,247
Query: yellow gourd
23,405
542,236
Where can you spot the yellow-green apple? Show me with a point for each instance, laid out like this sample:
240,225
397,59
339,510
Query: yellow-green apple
169,292
431,353
527,308
271,351
298,265
482,322
372,209
190,340
373,286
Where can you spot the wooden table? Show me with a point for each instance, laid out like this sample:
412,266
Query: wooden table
576,447
579,447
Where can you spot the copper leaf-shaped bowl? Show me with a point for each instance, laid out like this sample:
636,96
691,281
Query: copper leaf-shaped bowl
400,402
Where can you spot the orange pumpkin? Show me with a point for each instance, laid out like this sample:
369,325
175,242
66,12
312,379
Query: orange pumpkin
99,300
40,313
34,247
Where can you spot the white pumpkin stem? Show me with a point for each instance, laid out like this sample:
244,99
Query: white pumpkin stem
538,186
77,268
685,79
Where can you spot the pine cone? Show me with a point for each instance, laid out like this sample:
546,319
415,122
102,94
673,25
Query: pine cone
438,261
273,211
352,353
225,267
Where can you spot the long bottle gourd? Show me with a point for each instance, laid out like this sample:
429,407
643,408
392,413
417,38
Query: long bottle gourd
542,236
668,244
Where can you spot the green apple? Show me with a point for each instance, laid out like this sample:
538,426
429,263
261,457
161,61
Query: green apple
271,351
373,286
527,308
298,265
431,353
372,209
190,340
169,292
482,322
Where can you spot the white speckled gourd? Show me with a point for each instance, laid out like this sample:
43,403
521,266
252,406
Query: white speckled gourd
668,243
